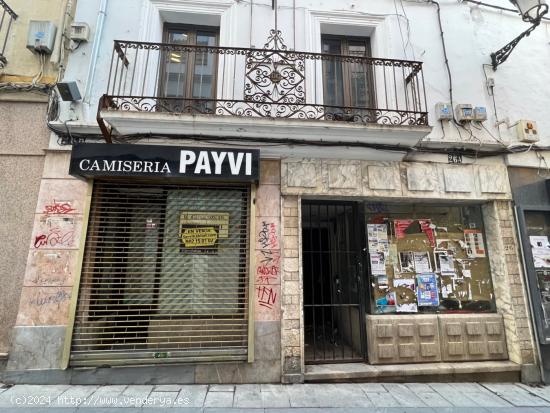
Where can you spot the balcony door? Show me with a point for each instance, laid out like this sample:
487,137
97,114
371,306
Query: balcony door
347,83
188,77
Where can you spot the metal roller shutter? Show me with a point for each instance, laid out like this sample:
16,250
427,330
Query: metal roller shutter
164,275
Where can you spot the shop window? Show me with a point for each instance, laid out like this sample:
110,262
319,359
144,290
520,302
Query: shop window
347,83
164,277
188,76
428,259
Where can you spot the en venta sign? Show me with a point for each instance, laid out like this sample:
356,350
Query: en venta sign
94,159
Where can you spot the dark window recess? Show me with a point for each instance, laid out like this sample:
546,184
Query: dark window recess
348,83
164,276
188,77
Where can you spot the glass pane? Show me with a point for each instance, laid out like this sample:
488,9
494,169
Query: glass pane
332,73
358,76
176,66
428,259
538,230
205,68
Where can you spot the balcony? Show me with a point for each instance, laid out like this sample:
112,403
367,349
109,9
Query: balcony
6,21
175,89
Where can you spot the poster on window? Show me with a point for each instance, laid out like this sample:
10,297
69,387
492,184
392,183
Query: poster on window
405,289
540,248
422,262
200,231
377,235
377,263
427,293
474,242
406,261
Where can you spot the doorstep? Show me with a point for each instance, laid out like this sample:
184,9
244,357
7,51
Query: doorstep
493,371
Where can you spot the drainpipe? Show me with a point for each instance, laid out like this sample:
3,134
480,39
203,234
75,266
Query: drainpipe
58,55
95,50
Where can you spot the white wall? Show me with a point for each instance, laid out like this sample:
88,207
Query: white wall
522,87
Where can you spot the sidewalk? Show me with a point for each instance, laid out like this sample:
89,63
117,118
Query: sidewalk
274,398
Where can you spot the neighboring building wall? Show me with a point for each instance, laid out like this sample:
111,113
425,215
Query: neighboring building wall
23,139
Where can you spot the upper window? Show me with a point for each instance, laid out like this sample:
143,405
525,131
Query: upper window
347,83
190,75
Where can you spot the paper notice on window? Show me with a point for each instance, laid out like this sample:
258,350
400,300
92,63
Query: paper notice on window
422,262
377,263
446,264
377,235
540,248
474,243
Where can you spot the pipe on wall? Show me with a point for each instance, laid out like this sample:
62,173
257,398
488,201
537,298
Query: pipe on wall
95,49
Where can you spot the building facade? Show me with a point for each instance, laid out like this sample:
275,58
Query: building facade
25,81
233,201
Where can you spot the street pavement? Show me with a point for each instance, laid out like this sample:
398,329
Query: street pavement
275,398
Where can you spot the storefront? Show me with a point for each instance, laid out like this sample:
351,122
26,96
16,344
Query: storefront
400,264
146,256
532,201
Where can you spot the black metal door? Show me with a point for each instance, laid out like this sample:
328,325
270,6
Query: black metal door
334,307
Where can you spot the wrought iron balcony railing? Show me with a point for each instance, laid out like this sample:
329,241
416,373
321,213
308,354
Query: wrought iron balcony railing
8,16
273,82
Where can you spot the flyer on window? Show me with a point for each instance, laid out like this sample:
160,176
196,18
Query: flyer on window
540,247
377,263
422,262
377,235
427,292
474,242
406,295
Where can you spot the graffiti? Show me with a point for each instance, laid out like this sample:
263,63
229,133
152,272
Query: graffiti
377,207
55,237
268,269
266,296
267,237
59,208
57,298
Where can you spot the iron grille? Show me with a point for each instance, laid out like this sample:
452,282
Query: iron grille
164,275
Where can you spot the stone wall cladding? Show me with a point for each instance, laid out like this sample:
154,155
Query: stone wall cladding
51,266
291,335
394,179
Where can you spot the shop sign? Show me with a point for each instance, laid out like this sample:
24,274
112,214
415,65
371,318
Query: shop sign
200,231
93,159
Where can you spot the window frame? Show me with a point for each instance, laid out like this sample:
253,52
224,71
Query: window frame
187,88
345,42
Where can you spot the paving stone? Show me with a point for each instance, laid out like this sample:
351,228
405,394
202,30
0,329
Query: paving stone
302,395
433,399
233,410
221,387
164,399
248,395
74,396
30,395
340,395
219,399
418,387
274,395
452,395
193,395
135,395
516,395
384,399
403,395
372,388
105,396
167,387
542,392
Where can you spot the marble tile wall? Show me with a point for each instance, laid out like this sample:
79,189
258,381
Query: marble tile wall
394,179
51,266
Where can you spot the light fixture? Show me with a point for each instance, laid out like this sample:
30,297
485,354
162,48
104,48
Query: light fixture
531,11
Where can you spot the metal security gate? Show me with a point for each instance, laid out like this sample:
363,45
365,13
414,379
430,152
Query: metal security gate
164,276
333,283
